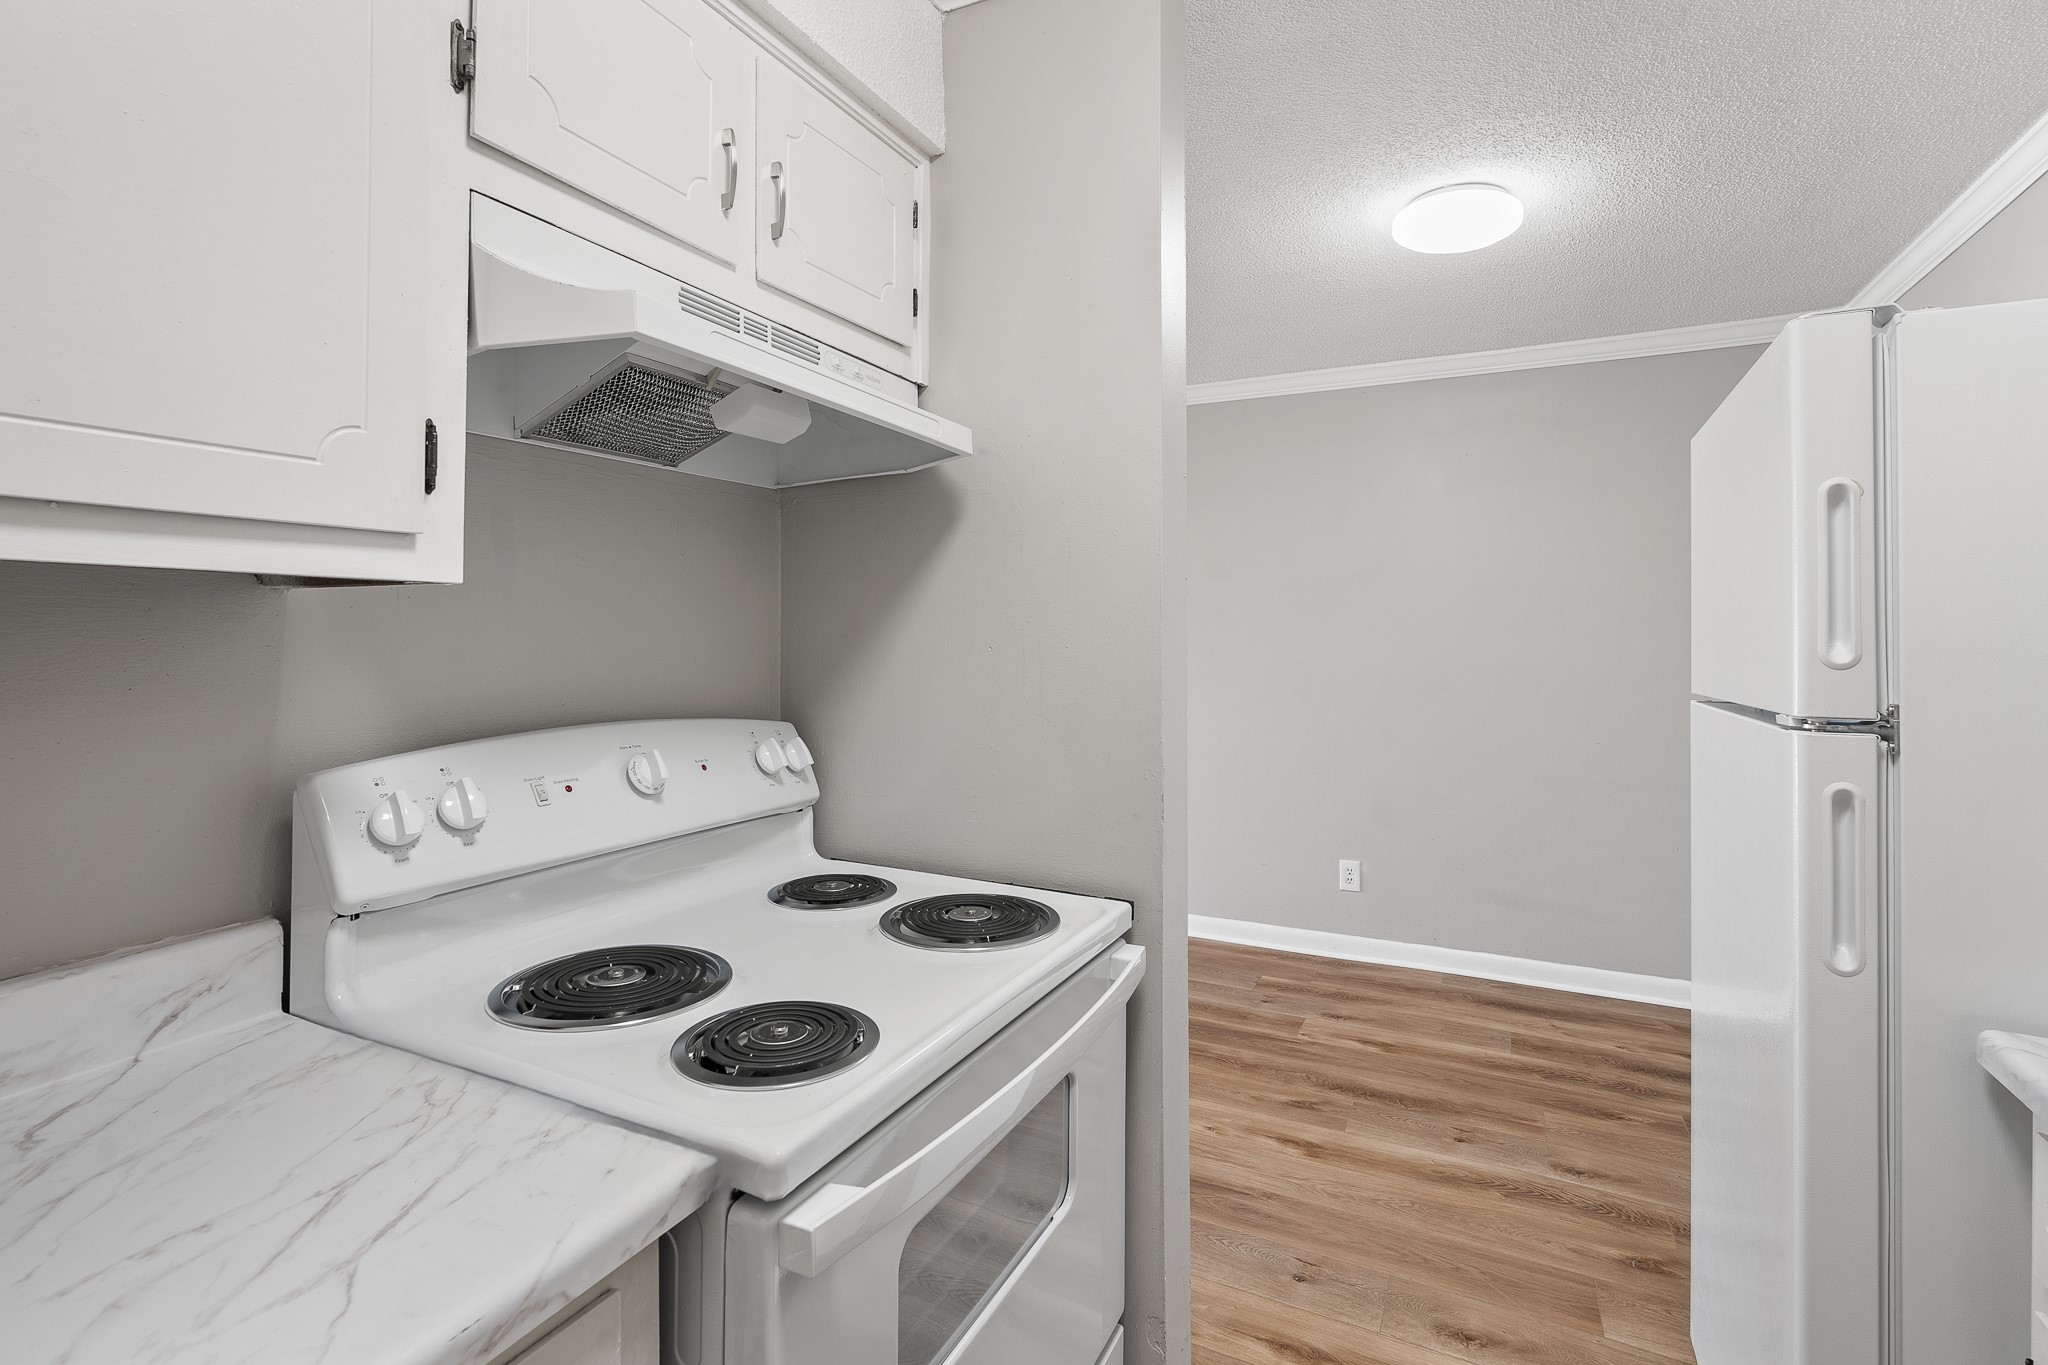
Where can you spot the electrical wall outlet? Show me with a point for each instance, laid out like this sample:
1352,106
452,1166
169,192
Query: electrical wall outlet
1348,878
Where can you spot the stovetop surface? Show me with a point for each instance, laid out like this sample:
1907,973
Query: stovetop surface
420,977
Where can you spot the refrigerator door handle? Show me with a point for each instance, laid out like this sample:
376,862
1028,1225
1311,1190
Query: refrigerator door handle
1840,615
1847,896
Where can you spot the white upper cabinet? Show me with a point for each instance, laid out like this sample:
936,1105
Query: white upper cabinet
690,138
640,103
833,226
222,299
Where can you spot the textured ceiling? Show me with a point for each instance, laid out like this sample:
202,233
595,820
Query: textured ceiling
1683,161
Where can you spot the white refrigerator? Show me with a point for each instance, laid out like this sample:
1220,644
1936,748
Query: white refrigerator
1869,517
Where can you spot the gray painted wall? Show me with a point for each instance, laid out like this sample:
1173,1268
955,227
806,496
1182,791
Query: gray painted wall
153,722
2003,261
1442,627
983,655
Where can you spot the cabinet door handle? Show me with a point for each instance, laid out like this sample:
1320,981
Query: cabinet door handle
781,201
732,171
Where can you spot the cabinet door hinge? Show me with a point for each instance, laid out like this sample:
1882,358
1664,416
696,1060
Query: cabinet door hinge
913,303
433,456
913,213
461,55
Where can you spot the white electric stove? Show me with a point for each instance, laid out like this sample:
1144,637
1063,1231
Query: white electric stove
909,1079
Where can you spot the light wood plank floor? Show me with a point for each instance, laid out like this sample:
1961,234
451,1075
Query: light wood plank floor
1395,1167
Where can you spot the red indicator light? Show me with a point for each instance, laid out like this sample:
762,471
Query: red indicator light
567,788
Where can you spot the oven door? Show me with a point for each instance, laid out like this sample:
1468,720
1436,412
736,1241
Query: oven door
982,1224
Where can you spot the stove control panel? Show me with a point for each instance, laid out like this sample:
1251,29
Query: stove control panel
402,829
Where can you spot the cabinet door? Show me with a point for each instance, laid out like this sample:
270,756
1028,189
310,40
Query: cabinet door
833,226
216,227
594,1336
638,102
617,1321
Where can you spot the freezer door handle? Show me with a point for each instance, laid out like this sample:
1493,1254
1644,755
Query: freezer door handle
1841,570
1846,893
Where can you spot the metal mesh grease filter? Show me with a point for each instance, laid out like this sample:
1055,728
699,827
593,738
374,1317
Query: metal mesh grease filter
638,409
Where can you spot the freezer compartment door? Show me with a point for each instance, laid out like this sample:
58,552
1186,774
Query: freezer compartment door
1786,851
1784,528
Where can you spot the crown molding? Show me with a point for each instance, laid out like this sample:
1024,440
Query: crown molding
1708,337
2020,166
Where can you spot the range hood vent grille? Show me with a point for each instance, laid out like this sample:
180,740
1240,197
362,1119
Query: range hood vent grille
796,345
713,309
635,408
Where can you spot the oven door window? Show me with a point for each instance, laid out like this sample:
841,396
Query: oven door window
967,1244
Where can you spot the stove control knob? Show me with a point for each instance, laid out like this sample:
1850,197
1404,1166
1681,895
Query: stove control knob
395,822
798,752
769,757
647,772
462,806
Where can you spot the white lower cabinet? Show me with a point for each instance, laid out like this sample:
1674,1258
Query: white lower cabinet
617,1321
234,289
2037,1331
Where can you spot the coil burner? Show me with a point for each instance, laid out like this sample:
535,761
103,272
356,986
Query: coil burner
779,1043
606,987
970,922
833,891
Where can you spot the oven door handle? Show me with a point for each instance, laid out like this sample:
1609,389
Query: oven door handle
837,1218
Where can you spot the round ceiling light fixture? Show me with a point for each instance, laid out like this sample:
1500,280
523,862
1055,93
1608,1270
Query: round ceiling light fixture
1457,218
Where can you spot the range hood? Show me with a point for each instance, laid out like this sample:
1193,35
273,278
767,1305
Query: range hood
577,347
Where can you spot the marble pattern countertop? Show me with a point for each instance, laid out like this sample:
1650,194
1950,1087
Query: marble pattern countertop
2020,1062
188,1174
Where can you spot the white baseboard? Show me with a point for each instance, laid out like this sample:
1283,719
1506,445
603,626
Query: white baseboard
1556,976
